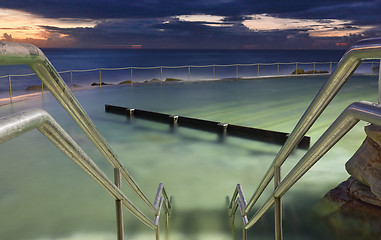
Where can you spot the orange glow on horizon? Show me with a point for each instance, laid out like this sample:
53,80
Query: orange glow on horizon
20,26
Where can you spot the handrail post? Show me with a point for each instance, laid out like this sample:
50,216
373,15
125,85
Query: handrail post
189,73
131,76
161,75
214,72
71,79
296,68
379,83
278,206
330,67
157,233
100,78
258,70
236,71
119,206
10,88
278,70
244,233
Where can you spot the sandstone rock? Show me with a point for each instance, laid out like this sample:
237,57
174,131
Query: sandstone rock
298,71
102,83
347,216
362,192
173,80
353,209
154,80
34,88
126,82
365,164
344,196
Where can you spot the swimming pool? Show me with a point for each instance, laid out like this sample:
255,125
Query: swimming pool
48,197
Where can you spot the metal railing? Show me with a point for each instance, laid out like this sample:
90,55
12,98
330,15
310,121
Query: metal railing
250,71
27,54
370,112
17,124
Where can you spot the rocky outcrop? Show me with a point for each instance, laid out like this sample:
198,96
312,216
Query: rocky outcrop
365,165
347,216
154,80
34,88
126,82
301,71
353,208
102,83
173,80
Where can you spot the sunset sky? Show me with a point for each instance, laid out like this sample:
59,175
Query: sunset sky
201,24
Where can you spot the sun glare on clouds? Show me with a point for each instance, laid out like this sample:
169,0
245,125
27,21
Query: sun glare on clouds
315,28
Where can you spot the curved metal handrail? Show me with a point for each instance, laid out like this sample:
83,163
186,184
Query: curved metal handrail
363,50
366,111
366,49
20,53
17,124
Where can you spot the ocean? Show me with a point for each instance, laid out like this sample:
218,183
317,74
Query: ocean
85,59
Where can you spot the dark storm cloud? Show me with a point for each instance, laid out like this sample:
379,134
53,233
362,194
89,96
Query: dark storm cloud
360,12
179,34
99,9
155,23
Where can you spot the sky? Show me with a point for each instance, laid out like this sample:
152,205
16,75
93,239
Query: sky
190,24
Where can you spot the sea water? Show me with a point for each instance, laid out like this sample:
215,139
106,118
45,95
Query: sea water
45,196
95,59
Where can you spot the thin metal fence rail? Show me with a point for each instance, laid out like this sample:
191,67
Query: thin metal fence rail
183,66
255,73
363,50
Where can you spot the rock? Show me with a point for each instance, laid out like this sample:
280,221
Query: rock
173,80
362,192
344,196
126,82
298,71
102,83
301,71
353,208
34,88
154,80
365,164
315,72
347,216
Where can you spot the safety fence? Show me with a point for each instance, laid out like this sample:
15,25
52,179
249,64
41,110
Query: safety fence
28,84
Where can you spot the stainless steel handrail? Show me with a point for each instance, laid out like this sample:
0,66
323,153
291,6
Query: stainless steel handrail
366,111
17,124
19,53
363,50
20,123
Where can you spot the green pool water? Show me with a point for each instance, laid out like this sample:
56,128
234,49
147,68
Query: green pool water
43,195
